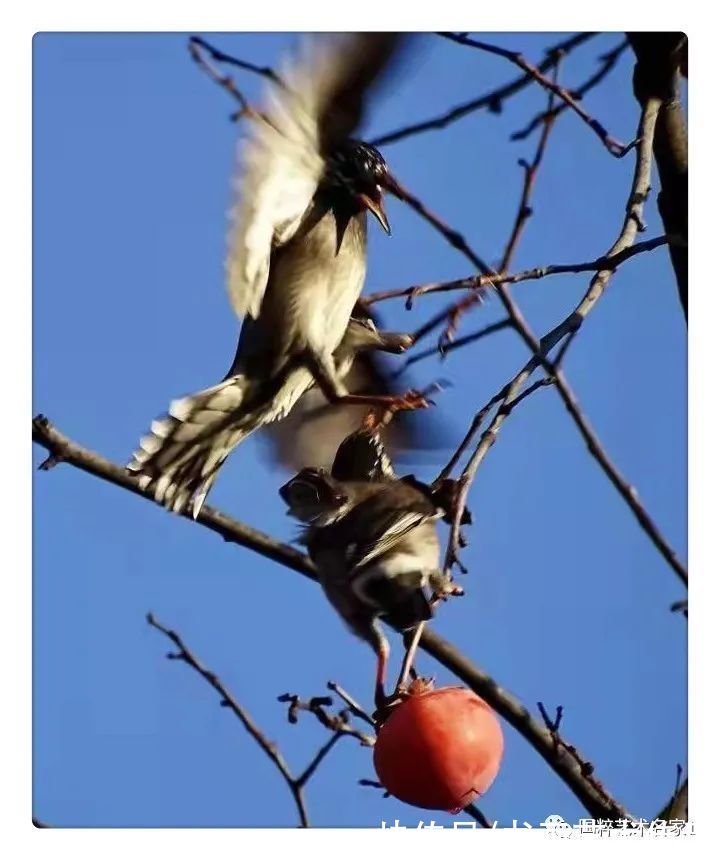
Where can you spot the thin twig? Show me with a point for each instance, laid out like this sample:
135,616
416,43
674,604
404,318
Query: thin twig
478,815
452,553
606,262
680,606
445,349
553,726
67,451
226,699
608,60
568,328
447,654
487,440
531,171
355,708
225,81
338,723
599,803
317,759
491,101
613,146
222,57
524,212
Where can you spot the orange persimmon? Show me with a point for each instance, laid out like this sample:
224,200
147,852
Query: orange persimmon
439,749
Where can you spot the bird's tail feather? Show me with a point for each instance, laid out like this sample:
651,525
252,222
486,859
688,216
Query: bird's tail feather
180,457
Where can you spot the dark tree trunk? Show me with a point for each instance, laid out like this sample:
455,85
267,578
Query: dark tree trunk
661,59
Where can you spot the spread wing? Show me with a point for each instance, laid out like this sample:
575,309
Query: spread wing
318,105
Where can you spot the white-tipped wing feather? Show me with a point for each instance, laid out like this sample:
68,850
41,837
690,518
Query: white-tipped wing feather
280,168
283,159
182,453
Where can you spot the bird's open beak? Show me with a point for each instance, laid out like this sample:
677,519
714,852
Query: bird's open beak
374,203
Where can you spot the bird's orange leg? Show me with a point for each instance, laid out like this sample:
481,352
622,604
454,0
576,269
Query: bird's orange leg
391,403
326,378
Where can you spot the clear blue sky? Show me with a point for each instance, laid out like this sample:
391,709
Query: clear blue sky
567,600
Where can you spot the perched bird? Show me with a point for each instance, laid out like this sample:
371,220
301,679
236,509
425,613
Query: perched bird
373,541
185,449
296,263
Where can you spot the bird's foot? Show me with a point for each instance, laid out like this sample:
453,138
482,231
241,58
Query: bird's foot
387,405
444,587
414,685
384,707
410,401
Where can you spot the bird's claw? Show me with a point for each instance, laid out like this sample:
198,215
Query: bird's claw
384,707
385,407
446,588
410,401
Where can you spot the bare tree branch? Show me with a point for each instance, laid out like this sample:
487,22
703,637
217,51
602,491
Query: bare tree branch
222,57
492,101
317,759
66,451
444,348
478,815
599,804
613,146
657,75
608,60
569,327
564,758
553,726
62,449
452,554
605,262
354,707
338,723
531,169
227,700
524,212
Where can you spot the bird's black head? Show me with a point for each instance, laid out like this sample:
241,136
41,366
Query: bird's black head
359,170
313,496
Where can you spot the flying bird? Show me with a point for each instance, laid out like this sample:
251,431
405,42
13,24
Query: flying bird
295,267
184,450
316,427
373,539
